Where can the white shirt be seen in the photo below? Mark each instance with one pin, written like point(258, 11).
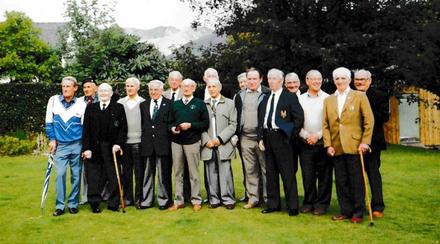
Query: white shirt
point(133, 102)
point(275, 103)
point(175, 94)
point(152, 104)
point(313, 108)
point(101, 104)
point(341, 99)
point(207, 96)
point(187, 99)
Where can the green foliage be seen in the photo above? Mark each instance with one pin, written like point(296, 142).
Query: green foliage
point(11, 146)
point(24, 56)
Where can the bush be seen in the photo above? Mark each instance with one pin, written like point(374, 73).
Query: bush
point(13, 146)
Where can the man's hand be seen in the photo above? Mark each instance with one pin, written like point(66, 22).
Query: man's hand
point(216, 142)
point(87, 154)
point(312, 139)
point(116, 148)
point(209, 144)
point(261, 146)
point(234, 140)
point(175, 132)
point(363, 148)
point(331, 151)
point(185, 126)
point(52, 146)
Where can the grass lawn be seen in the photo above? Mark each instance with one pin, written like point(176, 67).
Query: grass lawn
point(411, 189)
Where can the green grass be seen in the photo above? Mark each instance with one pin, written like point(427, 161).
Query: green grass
point(411, 190)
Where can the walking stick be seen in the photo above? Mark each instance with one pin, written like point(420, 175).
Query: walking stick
point(121, 192)
point(367, 195)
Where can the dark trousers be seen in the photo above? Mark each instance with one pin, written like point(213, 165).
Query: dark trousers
point(132, 160)
point(102, 165)
point(317, 176)
point(164, 171)
point(279, 160)
point(186, 184)
point(372, 165)
point(296, 151)
point(349, 185)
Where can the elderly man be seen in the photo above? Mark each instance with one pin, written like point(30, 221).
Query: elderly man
point(156, 147)
point(89, 90)
point(246, 103)
point(64, 130)
point(174, 93)
point(280, 117)
point(347, 128)
point(241, 78)
point(132, 158)
point(189, 118)
point(218, 150)
point(202, 91)
point(105, 131)
point(292, 83)
point(315, 168)
point(379, 103)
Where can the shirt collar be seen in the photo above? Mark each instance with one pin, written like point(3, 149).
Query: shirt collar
point(345, 92)
point(317, 95)
point(258, 89)
point(277, 92)
point(136, 98)
point(62, 99)
point(189, 99)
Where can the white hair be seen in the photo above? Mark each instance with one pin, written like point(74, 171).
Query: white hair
point(292, 76)
point(314, 72)
point(240, 76)
point(105, 86)
point(69, 79)
point(363, 72)
point(341, 72)
point(189, 82)
point(211, 71)
point(155, 83)
point(133, 80)
point(175, 73)
point(214, 82)
point(276, 73)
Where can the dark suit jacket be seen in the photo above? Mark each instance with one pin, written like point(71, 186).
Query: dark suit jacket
point(155, 134)
point(111, 124)
point(379, 103)
point(289, 115)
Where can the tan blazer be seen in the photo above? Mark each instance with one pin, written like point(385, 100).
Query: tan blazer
point(353, 128)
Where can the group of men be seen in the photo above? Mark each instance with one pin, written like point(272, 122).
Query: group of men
point(171, 131)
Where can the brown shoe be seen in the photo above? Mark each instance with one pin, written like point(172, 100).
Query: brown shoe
point(378, 214)
point(197, 207)
point(175, 207)
point(356, 220)
point(249, 205)
point(319, 211)
point(339, 217)
point(306, 210)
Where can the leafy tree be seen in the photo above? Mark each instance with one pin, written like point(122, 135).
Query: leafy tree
point(24, 56)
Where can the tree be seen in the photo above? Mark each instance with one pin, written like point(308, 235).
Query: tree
point(24, 56)
point(397, 40)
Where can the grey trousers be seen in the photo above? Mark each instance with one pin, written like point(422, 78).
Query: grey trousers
point(191, 153)
point(164, 185)
point(255, 169)
point(220, 180)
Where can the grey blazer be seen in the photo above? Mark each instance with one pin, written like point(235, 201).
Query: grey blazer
point(226, 124)
point(167, 94)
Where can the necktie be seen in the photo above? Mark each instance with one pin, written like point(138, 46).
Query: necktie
point(213, 104)
point(173, 96)
point(155, 109)
point(89, 100)
point(186, 101)
point(269, 117)
point(103, 106)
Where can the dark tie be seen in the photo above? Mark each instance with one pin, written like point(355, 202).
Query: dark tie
point(155, 109)
point(186, 101)
point(89, 100)
point(269, 117)
point(173, 96)
point(103, 106)
point(213, 103)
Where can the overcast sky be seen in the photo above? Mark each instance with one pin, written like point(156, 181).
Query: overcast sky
point(144, 14)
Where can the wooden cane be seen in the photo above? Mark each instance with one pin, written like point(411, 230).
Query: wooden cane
point(367, 195)
point(121, 191)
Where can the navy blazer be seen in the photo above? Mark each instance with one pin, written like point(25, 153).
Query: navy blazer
point(289, 115)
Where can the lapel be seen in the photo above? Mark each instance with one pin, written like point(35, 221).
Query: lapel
point(161, 108)
point(348, 101)
point(148, 109)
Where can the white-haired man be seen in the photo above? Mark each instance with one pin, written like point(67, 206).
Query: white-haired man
point(280, 117)
point(189, 118)
point(202, 91)
point(174, 92)
point(241, 79)
point(218, 150)
point(315, 168)
point(64, 130)
point(347, 128)
point(132, 158)
point(380, 105)
point(156, 147)
point(292, 83)
point(105, 131)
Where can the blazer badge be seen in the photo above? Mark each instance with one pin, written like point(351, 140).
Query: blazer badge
point(283, 114)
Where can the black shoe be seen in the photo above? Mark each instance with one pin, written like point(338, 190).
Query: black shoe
point(96, 210)
point(244, 199)
point(58, 212)
point(205, 200)
point(293, 212)
point(213, 205)
point(73, 210)
point(144, 207)
point(269, 210)
point(229, 206)
point(165, 207)
point(114, 209)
